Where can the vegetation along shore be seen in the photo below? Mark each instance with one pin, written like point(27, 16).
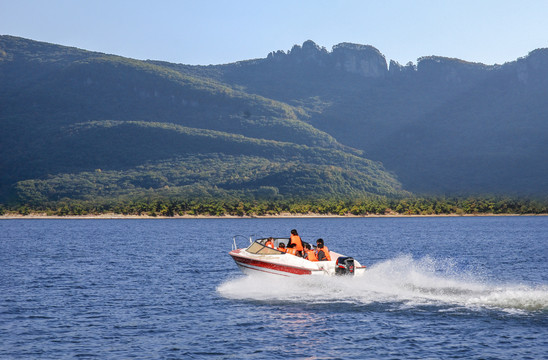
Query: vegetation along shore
point(272, 208)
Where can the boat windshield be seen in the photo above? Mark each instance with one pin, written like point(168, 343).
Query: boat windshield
point(258, 248)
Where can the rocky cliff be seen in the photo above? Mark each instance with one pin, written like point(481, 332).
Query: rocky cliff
point(363, 60)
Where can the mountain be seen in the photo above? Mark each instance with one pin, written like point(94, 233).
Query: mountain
point(307, 122)
point(444, 126)
point(78, 124)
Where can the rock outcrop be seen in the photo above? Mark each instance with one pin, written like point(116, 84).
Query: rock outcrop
point(450, 70)
point(363, 60)
point(531, 67)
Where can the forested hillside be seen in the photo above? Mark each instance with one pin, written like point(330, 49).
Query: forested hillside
point(306, 124)
point(443, 125)
point(89, 125)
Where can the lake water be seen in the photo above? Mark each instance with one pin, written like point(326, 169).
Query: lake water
point(437, 288)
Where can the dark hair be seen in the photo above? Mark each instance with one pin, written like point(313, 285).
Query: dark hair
point(294, 232)
point(281, 245)
point(307, 246)
point(320, 243)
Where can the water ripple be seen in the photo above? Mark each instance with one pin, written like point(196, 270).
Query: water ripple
point(166, 289)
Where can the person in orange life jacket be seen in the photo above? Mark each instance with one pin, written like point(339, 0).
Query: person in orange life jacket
point(309, 254)
point(281, 247)
point(296, 242)
point(269, 242)
point(322, 252)
point(292, 251)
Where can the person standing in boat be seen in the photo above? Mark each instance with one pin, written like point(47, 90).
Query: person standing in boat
point(296, 242)
point(309, 254)
point(322, 252)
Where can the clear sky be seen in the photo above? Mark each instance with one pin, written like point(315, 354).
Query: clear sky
point(216, 31)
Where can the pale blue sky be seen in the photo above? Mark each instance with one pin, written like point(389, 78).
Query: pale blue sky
point(215, 31)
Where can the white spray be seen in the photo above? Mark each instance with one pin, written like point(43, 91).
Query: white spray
point(403, 281)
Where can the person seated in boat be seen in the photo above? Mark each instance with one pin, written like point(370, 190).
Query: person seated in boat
point(269, 242)
point(322, 252)
point(281, 247)
point(296, 242)
point(291, 250)
point(309, 254)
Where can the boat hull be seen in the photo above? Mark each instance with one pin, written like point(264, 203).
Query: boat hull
point(283, 265)
point(254, 265)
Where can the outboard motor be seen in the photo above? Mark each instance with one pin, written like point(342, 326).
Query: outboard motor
point(344, 266)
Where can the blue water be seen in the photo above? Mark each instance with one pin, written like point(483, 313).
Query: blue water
point(437, 288)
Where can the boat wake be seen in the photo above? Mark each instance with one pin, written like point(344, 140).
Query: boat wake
point(400, 282)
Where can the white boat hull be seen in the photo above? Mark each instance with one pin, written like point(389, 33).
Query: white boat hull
point(286, 264)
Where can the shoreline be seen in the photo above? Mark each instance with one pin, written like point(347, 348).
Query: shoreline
point(113, 216)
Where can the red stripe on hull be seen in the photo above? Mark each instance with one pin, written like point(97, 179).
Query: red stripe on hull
point(243, 266)
point(284, 268)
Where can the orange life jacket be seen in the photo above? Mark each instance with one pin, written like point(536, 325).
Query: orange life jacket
point(325, 251)
point(282, 249)
point(296, 239)
point(292, 251)
point(311, 255)
point(269, 244)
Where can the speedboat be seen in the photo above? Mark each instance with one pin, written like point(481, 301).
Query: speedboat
point(259, 258)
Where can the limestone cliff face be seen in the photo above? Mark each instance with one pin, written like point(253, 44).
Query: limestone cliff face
point(362, 60)
point(366, 62)
point(309, 52)
point(530, 68)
